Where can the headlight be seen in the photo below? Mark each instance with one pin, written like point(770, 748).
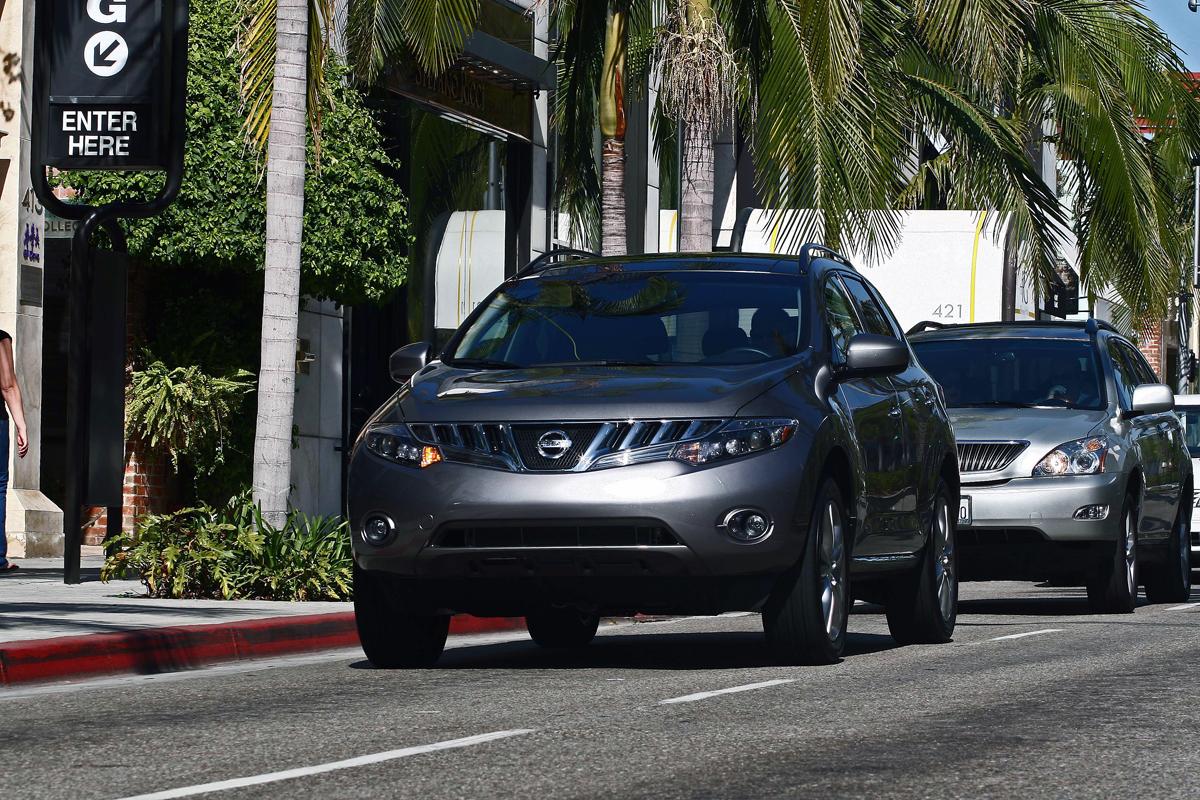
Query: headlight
point(395, 442)
point(1080, 457)
point(738, 438)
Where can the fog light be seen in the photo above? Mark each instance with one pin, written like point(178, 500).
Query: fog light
point(1092, 512)
point(377, 530)
point(747, 525)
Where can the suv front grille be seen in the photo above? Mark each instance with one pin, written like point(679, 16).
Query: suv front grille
point(515, 447)
point(988, 456)
point(566, 534)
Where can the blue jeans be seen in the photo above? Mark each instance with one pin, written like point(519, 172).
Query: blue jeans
point(3, 489)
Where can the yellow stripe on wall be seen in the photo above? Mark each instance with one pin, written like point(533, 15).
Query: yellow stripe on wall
point(975, 259)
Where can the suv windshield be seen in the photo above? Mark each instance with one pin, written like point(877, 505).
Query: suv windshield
point(1190, 417)
point(636, 318)
point(1017, 373)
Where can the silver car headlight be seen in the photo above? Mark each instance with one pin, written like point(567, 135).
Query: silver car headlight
point(740, 437)
point(1080, 457)
point(395, 442)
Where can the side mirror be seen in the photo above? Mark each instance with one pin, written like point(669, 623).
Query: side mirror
point(1151, 398)
point(870, 355)
point(408, 361)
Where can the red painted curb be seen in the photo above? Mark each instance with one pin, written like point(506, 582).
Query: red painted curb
point(153, 650)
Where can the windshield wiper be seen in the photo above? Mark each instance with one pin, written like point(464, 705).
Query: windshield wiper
point(481, 363)
point(612, 362)
point(995, 404)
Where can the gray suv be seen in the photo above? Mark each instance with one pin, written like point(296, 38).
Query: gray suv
point(683, 434)
point(1074, 468)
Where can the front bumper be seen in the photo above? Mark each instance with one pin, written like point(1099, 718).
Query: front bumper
point(1025, 529)
point(1048, 506)
point(689, 502)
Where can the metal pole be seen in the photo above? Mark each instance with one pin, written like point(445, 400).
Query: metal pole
point(1196, 223)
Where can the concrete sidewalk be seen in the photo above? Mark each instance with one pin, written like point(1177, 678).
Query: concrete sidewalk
point(51, 631)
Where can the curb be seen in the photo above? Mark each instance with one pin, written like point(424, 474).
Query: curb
point(154, 650)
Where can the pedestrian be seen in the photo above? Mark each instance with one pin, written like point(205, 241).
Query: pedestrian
point(12, 399)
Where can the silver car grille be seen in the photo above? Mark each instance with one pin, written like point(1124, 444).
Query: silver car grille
point(988, 456)
point(580, 446)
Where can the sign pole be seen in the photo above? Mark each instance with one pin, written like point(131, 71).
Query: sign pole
point(110, 87)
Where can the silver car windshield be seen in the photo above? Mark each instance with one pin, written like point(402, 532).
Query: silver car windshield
point(637, 319)
point(1190, 417)
point(1015, 373)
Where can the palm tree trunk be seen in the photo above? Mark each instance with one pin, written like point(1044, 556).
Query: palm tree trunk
point(613, 227)
point(696, 199)
point(281, 292)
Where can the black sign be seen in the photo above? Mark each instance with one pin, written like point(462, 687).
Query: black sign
point(106, 82)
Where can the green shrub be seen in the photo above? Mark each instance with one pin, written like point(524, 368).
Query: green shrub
point(232, 553)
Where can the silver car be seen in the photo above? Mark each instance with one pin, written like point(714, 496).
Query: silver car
point(1073, 465)
point(1187, 406)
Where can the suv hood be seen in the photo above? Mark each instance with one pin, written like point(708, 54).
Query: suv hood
point(1038, 426)
point(441, 393)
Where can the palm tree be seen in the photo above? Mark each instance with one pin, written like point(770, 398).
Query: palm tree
point(284, 49)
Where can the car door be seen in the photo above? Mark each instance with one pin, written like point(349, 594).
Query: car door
point(915, 393)
point(1145, 437)
point(873, 414)
point(1168, 448)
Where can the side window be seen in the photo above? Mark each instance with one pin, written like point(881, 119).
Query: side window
point(840, 319)
point(1141, 368)
point(870, 308)
point(1123, 372)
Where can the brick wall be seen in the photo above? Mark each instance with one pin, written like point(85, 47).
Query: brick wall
point(1150, 342)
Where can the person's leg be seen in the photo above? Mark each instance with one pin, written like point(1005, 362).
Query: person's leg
point(3, 491)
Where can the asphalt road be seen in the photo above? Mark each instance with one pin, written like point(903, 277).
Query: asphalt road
point(1035, 698)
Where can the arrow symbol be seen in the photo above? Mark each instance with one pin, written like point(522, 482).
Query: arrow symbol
point(105, 59)
point(106, 54)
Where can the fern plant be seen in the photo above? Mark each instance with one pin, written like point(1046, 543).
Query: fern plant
point(231, 552)
point(185, 410)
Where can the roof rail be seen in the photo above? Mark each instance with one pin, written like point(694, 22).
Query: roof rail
point(811, 250)
point(1094, 326)
point(925, 325)
point(550, 257)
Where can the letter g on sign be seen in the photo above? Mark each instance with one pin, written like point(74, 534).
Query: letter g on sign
point(106, 12)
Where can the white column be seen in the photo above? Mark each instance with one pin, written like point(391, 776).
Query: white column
point(34, 523)
point(539, 191)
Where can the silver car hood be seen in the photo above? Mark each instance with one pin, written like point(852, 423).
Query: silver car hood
point(1043, 428)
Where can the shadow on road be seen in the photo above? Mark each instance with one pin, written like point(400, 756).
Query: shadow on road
point(666, 651)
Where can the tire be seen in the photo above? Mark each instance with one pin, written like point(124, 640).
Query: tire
point(922, 606)
point(390, 638)
point(562, 628)
point(1113, 589)
point(805, 618)
point(1171, 582)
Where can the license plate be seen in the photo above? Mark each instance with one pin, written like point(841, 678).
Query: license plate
point(964, 511)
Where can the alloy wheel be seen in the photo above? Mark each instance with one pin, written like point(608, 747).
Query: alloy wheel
point(833, 569)
point(1131, 553)
point(944, 565)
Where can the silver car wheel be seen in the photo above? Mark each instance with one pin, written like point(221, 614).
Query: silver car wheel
point(1131, 553)
point(943, 566)
point(833, 567)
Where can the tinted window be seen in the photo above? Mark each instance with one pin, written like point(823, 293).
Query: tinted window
point(676, 317)
point(1190, 417)
point(1014, 372)
point(1140, 367)
point(1123, 372)
point(839, 318)
point(870, 308)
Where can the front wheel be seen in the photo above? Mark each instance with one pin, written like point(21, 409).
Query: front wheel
point(391, 638)
point(1171, 582)
point(1113, 589)
point(805, 619)
point(922, 607)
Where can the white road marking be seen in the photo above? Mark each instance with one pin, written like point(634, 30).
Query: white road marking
point(691, 698)
point(1027, 633)
point(1184, 607)
point(349, 763)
